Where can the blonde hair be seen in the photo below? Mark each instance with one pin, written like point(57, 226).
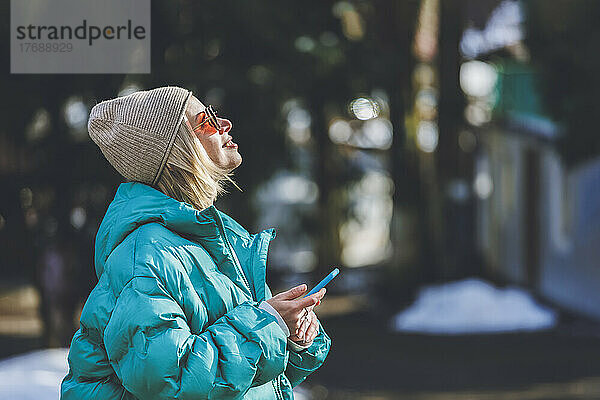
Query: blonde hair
point(190, 175)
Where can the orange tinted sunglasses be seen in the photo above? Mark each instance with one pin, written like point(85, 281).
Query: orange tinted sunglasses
point(206, 122)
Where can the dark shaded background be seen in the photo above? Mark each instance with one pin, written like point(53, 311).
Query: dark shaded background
point(284, 72)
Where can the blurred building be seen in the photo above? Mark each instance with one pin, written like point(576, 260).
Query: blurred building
point(538, 219)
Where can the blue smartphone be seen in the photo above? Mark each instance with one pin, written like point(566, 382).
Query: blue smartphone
point(324, 282)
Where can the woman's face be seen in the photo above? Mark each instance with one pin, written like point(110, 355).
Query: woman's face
point(220, 147)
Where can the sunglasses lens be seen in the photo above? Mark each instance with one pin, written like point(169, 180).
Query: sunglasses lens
point(202, 125)
point(209, 130)
point(206, 122)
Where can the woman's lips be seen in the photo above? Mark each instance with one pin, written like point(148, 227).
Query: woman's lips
point(229, 144)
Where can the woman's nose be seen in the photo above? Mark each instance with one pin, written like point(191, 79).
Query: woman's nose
point(226, 124)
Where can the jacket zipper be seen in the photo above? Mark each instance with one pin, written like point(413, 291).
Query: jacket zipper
point(276, 383)
point(239, 266)
point(236, 261)
point(277, 388)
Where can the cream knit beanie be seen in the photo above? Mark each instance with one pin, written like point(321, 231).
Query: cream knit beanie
point(136, 132)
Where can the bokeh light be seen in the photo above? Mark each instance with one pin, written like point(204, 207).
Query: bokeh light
point(483, 185)
point(427, 136)
point(39, 127)
point(76, 113)
point(378, 132)
point(364, 108)
point(340, 131)
point(304, 44)
point(477, 78)
point(78, 217)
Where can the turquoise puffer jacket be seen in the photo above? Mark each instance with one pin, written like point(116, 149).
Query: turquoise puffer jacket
point(174, 314)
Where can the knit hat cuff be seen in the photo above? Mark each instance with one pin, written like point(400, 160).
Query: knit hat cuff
point(171, 140)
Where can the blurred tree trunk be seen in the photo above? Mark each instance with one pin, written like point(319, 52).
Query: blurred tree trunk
point(328, 238)
point(403, 230)
point(451, 111)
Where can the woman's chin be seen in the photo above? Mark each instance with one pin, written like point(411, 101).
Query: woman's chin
point(236, 161)
point(239, 161)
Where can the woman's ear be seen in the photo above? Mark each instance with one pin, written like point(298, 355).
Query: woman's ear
point(193, 108)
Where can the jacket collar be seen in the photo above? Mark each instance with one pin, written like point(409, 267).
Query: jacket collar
point(136, 204)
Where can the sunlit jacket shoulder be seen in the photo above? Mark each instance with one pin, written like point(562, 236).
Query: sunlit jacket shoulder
point(175, 313)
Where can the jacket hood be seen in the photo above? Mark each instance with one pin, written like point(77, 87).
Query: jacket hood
point(136, 204)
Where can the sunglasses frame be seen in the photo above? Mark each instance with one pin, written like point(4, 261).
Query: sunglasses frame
point(210, 117)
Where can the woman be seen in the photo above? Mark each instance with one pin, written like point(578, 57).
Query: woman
point(181, 309)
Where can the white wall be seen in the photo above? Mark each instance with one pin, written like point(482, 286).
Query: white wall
point(570, 246)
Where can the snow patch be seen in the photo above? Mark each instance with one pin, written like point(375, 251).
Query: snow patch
point(33, 376)
point(37, 376)
point(473, 306)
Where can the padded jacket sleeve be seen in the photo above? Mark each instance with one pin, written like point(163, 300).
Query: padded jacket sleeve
point(303, 363)
point(155, 355)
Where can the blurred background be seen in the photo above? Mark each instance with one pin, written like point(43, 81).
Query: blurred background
point(443, 153)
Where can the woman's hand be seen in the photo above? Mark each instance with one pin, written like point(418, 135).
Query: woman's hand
point(308, 330)
point(293, 309)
